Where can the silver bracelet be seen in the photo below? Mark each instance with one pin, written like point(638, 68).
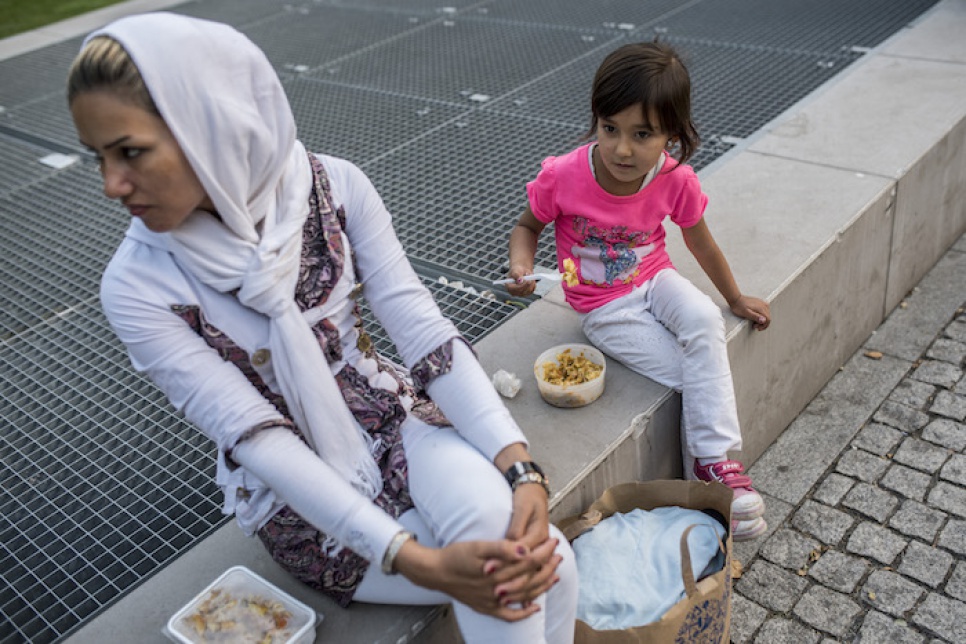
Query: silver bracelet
point(531, 477)
point(389, 559)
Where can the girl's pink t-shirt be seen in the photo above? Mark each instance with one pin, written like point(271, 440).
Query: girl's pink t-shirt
point(616, 243)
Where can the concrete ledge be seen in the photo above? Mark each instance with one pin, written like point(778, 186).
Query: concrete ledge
point(899, 117)
point(833, 213)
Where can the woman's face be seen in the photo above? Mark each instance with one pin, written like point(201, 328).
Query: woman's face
point(140, 160)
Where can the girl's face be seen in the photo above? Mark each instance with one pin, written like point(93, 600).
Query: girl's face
point(628, 146)
point(141, 162)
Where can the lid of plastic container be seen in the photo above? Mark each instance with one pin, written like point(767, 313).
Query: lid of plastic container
point(240, 605)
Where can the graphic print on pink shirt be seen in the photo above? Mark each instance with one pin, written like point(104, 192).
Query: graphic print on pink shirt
point(608, 256)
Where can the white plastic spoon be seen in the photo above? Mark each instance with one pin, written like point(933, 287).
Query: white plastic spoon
point(535, 277)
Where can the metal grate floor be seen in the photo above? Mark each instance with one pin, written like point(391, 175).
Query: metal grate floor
point(90, 505)
point(449, 109)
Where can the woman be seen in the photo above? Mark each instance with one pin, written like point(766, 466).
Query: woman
point(234, 290)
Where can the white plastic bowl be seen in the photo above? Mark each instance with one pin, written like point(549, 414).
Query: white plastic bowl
point(239, 582)
point(570, 395)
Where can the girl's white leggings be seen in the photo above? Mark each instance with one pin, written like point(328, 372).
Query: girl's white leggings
point(670, 331)
point(460, 496)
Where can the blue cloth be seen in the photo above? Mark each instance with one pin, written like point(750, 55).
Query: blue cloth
point(629, 564)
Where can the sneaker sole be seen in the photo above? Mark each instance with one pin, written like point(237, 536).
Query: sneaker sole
point(750, 513)
point(747, 533)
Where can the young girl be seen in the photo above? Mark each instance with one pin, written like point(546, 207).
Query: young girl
point(608, 200)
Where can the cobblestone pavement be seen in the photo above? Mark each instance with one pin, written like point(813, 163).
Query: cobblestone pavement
point(866, 491)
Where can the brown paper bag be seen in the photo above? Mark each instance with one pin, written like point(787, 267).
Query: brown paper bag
point(704, 616)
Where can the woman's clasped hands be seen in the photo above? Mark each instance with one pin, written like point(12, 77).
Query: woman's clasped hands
point(499, 578)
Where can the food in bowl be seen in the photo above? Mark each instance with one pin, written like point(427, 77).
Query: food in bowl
point(570, 375)
point(570, 369)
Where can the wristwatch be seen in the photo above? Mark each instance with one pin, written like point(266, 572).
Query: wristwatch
point(526, 472)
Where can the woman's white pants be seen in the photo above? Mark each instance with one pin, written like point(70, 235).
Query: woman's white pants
point(460, 496)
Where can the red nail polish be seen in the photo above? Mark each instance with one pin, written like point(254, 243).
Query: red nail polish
point(522, 551)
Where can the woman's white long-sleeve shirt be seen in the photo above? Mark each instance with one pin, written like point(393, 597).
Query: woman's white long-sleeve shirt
point(144, 286)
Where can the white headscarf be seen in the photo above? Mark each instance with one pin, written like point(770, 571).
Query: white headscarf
point(223, 102)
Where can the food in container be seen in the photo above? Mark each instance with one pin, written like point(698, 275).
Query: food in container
point(241, 607)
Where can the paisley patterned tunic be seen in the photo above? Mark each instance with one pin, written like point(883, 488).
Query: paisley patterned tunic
point(306, 552)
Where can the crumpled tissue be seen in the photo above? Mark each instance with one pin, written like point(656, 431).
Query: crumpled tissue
point(507, 384)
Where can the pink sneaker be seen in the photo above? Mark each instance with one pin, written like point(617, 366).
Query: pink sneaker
point(747, 504)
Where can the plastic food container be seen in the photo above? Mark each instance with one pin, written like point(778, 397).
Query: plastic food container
point(241, 607)
point(574, 395)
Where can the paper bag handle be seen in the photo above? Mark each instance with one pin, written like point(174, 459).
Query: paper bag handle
point(687, 574)
point(587, 520)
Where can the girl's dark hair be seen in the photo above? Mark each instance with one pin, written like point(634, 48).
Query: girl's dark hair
point(104, 65)
point(653, 75)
